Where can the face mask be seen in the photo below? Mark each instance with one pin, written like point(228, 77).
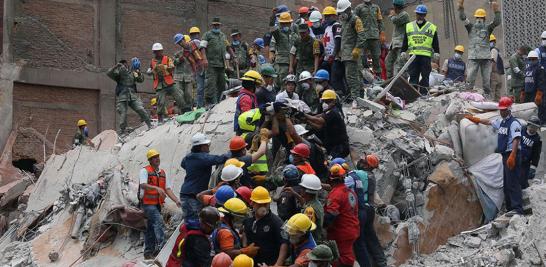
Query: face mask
point(291, 158)
point(457, 56)
point(86, 131)
point(215, 30)
point(543, 42)
point(319, 87)
point(316, 24)
point(305, 86)
point(269, 88)
point(491, 44)
point(343, 16)
point(236, 42)
point(325, 106)
point(285, 29)
point(262, 211)
point(420, 21)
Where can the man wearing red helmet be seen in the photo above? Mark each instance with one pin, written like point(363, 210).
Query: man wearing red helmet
point(299, 156)
point(238, 148)
point(509, 135)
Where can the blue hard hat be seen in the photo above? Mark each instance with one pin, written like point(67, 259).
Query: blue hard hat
point(339, 161)
point(282, 8)
point(290, 173)
point(261, 59)
point(421, 9)
point(224, 193)
point(178, 37)
point(259, 42)
point(135, 63)
point(322, 75)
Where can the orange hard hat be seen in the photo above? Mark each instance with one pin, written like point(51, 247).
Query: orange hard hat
point(505, 102)
point(301, 150)
point(337, 171)
point(244, 193)
point(303, 10)
point(221, 260)
point(237, 143)
point(372, 160)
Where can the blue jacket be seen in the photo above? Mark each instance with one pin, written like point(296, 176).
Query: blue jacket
point(198, 168)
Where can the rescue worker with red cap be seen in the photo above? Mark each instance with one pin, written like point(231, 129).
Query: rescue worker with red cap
point(508, 140)
point(299, 156)
point(238, 150)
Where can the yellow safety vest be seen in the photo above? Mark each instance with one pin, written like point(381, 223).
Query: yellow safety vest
point(260, 166)
point(420, 39)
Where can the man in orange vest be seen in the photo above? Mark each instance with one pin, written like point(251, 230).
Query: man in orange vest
point(162, 68)
point(154, 187)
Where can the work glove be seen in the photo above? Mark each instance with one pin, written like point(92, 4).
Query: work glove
point(356, 53)
point(511, 161)
point(251, 250)
point(522, 96)
point(472, 118)
point(382, 38)
point(460, 3)
point(264, 134)
point(300, 115)
point(538, 98)
point(404, 56)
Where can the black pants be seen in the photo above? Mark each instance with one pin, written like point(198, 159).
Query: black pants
point(367, 243)
point(420, 67)
point(337, 77)
point(524, 174)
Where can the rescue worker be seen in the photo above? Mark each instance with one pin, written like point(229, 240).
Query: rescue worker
point(240, 50)
point(268, 90)
point(289, 92)
point(217, 196)
point(264, 229)
point(541, 50)
point(318, 156)
point(246, 100)
point(374, 33)
point(534, 77)
point(322, 83)
point(421, 40)
point(508, 141)
point(311, 204)
point(331, 41)
point(304, 53)
point(184, 63)
point(237, 147)
point(153, 108)
point(531, 146)
point(454, 68)
point(283, 35)
point(256, 59)
point(316, 27)
point(299, 156)
point(517, 73)
point(195, 37)
point(198, 167)
point(303, 18)
point(321, 256)
point(82, 134)
point(214, 47)
point(192, 246)
point(479, 55)
point(232, 173)
point(399, 18)
point(353, 40)
point(126, 79)
point(243, 261)
point(307, 91)
point(497, 69)
point(298, 230)
point(287, 200)
point(341, 216)
point(153, 189)
point(249, 122)
point(222, 260)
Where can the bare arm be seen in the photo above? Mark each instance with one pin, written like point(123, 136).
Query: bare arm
point(316, 122)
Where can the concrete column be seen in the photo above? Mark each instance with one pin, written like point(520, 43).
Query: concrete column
point(7, 72)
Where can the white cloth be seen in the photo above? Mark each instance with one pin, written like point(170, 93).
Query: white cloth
point(489, 177)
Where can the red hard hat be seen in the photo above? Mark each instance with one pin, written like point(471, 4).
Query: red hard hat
point(221, 260)
point(303, 10)
point(505, 102)
point(301, 150)
point(372, 160)
point(244, 192)
point(237, 143)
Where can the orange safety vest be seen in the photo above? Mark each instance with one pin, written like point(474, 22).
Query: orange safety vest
point(151, 196)
point(168, 77)
point(306, 168)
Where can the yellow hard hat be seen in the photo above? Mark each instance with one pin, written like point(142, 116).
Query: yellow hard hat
point(187, 38)
point(234, 206)
point(194, 30)
point(299, 223)
point(329, 10)
point(151, 153)
point(242, 260)
point(328, 94)
point(235, 162)
point(492, 38)
point(459, 48)
point(260, 195)
point(285, 17)
point(480, 13)
point(252, 76)
point(82, 122)
point(153, 101)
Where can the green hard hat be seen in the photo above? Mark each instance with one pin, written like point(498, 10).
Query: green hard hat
point(399, 2)
point(321, 253)
point(268, 70)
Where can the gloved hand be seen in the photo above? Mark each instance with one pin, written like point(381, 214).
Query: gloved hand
point(404, 56)
point(278, 106)
point(300, 115)
point(472, 118)
point(356, 53)
point(264, 134)
point(460, 3)
point(511, 161)
point(436, 56)
point(251, 250)
point(382, 38)
point(270, 109)
point(522, 96)
point(538, 98)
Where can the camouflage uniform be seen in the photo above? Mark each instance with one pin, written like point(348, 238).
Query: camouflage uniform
point(183, 79)
point(216, 45)
point(305, 52)
point(372, 20)
point(392, 63)
point(352, 36)
point(242, 54)
point(281, 46)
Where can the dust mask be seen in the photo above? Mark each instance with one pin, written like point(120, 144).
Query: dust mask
point(457, 56)
point(491, 44)
point(269, 87)
point(305, 86)
point(316, 25)
point(325, 106)
point(543, 42)
point(319, 87)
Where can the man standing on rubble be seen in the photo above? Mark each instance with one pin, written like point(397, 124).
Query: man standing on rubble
point(184, 63)
point(305, 52)
point(531, 146)
point(497, 69)
point(479, 55)
point(282, 33)
point(517, 73)
point(454, 68)
point(508, 141)
point(153, 189)
point(535, 82)
point(399, 18)
point(374, 33)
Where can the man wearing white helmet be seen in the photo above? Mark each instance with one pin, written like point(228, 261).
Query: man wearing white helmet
point(311, 204)
point(317, 28)
point(306, 90)
point(534, 78)
point(541, 50)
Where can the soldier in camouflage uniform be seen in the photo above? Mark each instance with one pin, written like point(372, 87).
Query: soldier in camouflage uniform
point(284, 37)
point(240, 49)
point(399, 18)
point(126, 96)
point(183, 64)
point(372, 20)
point(305, 52)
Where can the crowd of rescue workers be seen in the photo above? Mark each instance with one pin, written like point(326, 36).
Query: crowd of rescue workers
point(288, 115)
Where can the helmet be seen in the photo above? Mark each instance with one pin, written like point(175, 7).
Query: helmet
point(290, 173)
point(260, 195)
point(178, 38)
point(543, 35)
point(237, 143)
point(398, 2)
point(290, 78)
point(311, 182)
point(300, 129)
point(234, 206)
point(199, 139)
point(337, 171)
point(224, 193)
point(285, 17)
point(305, 75)
point(282, 9)
point(135, 63)
point(242, 260)
point(151, 153)
point(322, 75)
point(222, 260)
point(247, 120)
point(81, 122)
point(372, 160)
point(320, 253)
point(492, 38)
point(459, 48)
point(303, 10)
point(329, 10)
point(235, 162)
point(532, 54)
point(230, 173)
point(252, 76)
point(268, 70)
point(244, 193)
point(421, 9)
point(157, 47)
point(315, 16)
point(194, 30)
point(259, 42)
point(153, 101)
point(505, 102)
point(301, 150)
point(534, 121)
point(328, 94)
point(209, 215)
point(299, 223)
point(480, 13)
point(187, 38)
point(342, 5)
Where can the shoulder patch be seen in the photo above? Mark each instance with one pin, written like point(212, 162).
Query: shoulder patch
point(359, 27)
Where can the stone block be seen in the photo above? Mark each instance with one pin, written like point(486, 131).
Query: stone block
point(12, 191)
point(365, 103)
point(472, 241)
point(362, 136)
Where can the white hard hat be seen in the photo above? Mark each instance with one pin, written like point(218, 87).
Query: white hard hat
point(230, 173)
point(311, 182)
point(227, 56)
point(305, 75)
point(543, 35)
point(300, 130)
point(342, 5)
point(315, 16)
point(532, 54)
point(157, 46)
point(199, 139)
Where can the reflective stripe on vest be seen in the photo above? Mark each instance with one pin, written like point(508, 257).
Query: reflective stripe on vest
point(420, 40)
point(238, 109)
point(151, 196)
point(260, 166)
point(168, 78)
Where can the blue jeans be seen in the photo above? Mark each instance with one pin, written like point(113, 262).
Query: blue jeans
point(512, 186)
point(190, 207)
point(154, 237)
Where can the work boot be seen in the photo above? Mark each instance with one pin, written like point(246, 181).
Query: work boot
point(148, 255)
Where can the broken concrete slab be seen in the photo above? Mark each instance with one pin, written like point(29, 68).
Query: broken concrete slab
point(12, 191)
point(403, 89)
point(365, 103)
point(105, 140)
point(362, 136)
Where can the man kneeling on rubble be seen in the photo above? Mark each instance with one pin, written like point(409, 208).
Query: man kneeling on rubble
point(154, 187)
